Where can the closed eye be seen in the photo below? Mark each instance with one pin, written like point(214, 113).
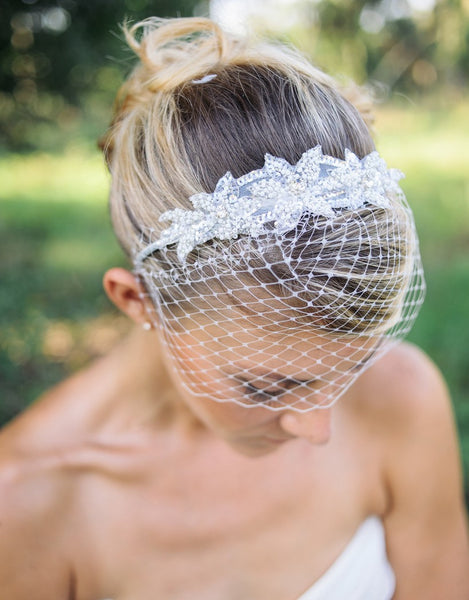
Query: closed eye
point(272, 385)
point(262, 393)
point(269, 393)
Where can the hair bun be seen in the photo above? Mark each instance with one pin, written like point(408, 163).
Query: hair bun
point(176, 51)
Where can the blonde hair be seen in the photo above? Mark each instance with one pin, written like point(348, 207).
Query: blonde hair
point(172, 137)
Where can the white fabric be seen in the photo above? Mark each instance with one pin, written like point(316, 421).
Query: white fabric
point(361, 572)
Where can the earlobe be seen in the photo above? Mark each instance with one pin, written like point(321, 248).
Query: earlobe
point(125, 291)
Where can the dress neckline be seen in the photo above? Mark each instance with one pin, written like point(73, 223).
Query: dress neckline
point(361, 571)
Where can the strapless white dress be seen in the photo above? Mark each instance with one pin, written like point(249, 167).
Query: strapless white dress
point(361, 572)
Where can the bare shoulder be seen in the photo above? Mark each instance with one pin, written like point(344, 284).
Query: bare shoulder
point(37, 492)
point(53, 463)
point(401, 396)
point(405, 400)
point(408, 398)
point(32, 502)
point(410, 408)
point(402, 383)
point(62, 415)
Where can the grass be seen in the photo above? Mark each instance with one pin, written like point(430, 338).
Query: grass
point(56, 241)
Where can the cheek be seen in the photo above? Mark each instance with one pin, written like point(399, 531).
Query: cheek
point(198, 372)
point(207, 391)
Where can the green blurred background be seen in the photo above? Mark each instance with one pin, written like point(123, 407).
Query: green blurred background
point(60, 65)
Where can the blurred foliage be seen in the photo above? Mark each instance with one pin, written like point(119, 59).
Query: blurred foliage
point(405, 46)
point(61, 63)
point(56, 242)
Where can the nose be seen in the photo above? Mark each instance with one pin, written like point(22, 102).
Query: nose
point(313, 425)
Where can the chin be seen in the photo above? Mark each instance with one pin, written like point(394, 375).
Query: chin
point(252, 451)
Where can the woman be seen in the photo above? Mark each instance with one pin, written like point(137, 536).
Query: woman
point(205, 457)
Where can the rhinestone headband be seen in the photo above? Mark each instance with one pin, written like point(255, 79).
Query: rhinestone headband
point(278, 194)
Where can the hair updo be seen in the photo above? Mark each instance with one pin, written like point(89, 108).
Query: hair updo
point(172, 137)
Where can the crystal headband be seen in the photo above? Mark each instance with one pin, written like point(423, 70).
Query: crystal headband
point(280, 194)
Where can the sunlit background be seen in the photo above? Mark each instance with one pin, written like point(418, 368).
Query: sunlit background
point(60, 65)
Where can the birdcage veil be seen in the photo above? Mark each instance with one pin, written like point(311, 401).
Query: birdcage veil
point(277, 253)
point(280, 287)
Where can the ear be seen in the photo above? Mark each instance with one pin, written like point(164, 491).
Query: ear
point(126, 292)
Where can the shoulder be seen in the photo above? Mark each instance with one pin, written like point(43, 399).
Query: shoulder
point(36, 497)
point(404, 389)
point(416, 421)
point(404, 400)
point(61, 416)
point(426, 526)
point(32, 502)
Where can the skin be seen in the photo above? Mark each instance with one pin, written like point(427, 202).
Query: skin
point(105, 496)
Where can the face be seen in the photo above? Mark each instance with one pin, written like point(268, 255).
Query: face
point(257, 389)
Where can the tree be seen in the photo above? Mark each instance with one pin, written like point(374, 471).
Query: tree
point(63, 60)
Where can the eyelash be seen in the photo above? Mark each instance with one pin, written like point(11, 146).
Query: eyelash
point(264, 396)
point(267, 397)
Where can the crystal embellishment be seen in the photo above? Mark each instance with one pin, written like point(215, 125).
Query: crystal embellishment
point(279, 194)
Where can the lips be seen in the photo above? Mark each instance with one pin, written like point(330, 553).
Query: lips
point(278, 440)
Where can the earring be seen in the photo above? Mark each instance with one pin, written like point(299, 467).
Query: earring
point(146, 326)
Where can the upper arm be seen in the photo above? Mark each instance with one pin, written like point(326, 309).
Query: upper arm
point(426, 527)
point(30, 551)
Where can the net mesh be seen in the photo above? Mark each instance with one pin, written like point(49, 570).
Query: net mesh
point(286, 319)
